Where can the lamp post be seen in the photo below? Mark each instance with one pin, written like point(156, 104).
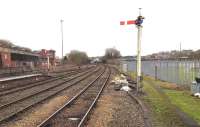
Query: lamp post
point(61, 23)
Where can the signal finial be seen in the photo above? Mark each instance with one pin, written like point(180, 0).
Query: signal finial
point(140, 11)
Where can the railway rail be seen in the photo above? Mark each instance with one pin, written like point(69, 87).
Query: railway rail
point(11, 109)
point(14, 100)
point(61, 71)
point(79, 105)
point(56, 73)
point(37, 83)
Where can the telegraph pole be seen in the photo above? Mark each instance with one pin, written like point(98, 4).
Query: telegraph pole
point(61, 23)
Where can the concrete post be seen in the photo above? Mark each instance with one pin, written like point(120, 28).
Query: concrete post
point(61, 22)
point(48, 63)
point(156, 72)
point(139, 57)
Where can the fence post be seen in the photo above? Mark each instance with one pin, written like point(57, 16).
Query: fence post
point(156, 68)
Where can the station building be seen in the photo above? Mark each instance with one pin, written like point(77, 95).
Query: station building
point(12, 56)
point(46, 58)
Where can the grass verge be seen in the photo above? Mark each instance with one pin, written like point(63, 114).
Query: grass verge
point(181, 98)
point(162, 113)
point(188, 104)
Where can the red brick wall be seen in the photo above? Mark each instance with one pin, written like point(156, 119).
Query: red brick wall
point(48, 53)
point(13, 64)
point(6, 59)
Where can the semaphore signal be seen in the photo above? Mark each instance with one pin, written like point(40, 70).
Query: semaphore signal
point(138, 22)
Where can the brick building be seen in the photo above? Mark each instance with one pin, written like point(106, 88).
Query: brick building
point(16, 56)
point(46, 56)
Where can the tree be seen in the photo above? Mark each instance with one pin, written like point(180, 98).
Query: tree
point(6, 43)
point(78, 57)
point(111, 53)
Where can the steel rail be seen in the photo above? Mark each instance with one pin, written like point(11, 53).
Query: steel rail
point(81, 123)
point(61, 71)
point(45, 122)
point(36, 84)
point(64, 73)
point(6, 118)
point(42, 91)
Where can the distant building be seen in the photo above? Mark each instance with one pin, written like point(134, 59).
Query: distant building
point(57, 61)
point(16, 56)
point(187, 52)
point(174, 54)
point(96, 60)
point(46, 56)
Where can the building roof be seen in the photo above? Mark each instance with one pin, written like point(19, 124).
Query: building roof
point(5, 44)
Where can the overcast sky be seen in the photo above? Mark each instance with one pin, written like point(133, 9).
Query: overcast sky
point(93, 25)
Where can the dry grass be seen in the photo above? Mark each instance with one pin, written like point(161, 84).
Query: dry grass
point(165, 85)
point(115, 109)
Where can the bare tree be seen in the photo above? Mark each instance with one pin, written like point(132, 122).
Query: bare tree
point(112, 53)
point(78, 57)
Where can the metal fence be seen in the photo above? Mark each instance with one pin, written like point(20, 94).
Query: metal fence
point(181, 72)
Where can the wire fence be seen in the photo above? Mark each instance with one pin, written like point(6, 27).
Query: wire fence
point(181, 72)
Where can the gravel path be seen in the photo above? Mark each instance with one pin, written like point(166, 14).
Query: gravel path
point(116, 109)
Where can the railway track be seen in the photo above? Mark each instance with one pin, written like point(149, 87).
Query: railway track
point(9, 85)
point(42, 90)
point(61, 71)
point(11, 109)
point(34, 84)
point(76, 111)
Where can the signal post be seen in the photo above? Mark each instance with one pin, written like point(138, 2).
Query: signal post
point(138, 22)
